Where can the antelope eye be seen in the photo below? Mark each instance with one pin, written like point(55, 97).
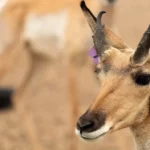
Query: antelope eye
point(142, 79)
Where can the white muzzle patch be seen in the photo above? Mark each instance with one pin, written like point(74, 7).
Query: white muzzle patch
point(95, 134)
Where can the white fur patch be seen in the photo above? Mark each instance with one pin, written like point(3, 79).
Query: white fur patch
point(77, 132)
point(46, 33)
point(2, 4)
point(94, 134)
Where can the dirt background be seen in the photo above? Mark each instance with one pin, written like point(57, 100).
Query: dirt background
point(51, 111)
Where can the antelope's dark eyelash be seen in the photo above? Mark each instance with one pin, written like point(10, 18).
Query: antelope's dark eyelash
point(97, 70)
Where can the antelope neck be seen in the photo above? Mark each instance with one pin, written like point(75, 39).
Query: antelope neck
point(141, 133)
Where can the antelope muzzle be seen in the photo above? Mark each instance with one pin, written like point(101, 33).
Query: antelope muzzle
point(90, 125)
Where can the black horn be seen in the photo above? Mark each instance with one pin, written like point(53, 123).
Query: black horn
point(142, 52)
point(99, 37)
point(91, 19)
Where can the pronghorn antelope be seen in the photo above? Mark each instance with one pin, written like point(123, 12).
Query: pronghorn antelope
point(124, 77)
point(33, 34)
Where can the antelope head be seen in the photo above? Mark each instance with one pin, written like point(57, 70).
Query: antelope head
point(124, 77)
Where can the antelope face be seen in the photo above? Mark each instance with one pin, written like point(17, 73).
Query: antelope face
point(124, 76)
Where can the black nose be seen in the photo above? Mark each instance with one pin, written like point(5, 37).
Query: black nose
point(84, 125)
point(90, 122)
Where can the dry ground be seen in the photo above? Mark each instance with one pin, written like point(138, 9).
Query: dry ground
point(51, 111)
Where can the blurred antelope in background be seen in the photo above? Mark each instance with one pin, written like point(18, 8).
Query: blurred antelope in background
point(36, 34)
point(124, 77)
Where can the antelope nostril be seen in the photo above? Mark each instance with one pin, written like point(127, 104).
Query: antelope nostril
point(90, 122)
point(85, 125)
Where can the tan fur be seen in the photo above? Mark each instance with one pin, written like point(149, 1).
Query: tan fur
point(45, 7)
point(114, 40)
point(125, 103)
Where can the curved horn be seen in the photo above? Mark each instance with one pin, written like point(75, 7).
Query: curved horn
point(91, 19)
point(142, 52)
point(99, 38)
point(111, 37)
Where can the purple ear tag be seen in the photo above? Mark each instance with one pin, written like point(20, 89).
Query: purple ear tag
point(93, 54)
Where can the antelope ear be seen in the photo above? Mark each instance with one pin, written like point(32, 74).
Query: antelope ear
point(104, 38)
point(111, 38)
point(114, 40)
point(142, 52)
point(91, 19)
